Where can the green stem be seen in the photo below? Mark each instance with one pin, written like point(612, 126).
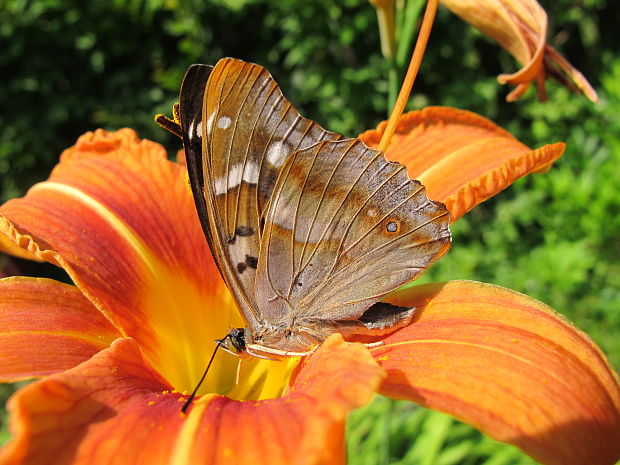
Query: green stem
point(404, 41)
point(394, 81)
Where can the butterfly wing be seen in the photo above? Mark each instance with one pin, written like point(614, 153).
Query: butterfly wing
point(345, 227)
point(247, 131)
point(190, 109)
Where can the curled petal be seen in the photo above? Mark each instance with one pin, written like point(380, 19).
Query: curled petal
point(117, 215)
point(9, 247)
point(47, 327)
point(510, 366)
point(520, 27)
point(461, 157)
point(116, 409)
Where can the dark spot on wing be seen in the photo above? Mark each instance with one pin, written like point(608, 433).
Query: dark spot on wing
point(383, 311)
point(250, 261)
point(392, 226)
point(244, 231)
point(241, 267)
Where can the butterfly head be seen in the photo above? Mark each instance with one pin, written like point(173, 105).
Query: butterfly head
point(234, 342)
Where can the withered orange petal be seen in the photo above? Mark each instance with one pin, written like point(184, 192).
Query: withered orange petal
point(461, 157)
point(118, 217)
point(508, 365)
point(47, 327)
point(115, 409)
point(305, 426)
point(520, 27)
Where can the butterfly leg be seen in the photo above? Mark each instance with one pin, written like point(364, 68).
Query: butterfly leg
point(257, 351)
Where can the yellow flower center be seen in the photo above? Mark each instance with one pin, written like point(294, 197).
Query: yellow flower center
point(186, 318)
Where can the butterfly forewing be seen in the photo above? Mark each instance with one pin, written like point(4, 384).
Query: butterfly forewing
point(190, 108)
point(248, 132)
point(344, 227)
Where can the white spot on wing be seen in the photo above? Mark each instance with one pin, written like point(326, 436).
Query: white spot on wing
point(250, 174)
point(199, 128)
point(237, 173)
point(224, 122)
point(276, 154)
point(210, 122)
point(191, 130)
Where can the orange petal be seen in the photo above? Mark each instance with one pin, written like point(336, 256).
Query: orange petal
point(508, 365)
point(47, 327)
point(111, 409)
point(461, 157)
point(118, 217)
point(520, 27)
point(304, 426)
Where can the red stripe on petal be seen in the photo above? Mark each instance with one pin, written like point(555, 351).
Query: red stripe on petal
point(47, 327)
point(510, 366)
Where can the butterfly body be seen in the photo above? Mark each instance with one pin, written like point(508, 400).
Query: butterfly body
point(308, 229)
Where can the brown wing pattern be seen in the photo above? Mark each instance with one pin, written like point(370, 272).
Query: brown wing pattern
point(249, 131)
point(344, 227)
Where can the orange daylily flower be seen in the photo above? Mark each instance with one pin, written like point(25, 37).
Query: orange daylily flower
point(121, 346)
point(520, 27)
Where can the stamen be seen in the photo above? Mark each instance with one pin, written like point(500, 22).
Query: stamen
point(412, 72)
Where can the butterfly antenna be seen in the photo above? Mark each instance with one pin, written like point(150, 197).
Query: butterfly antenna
point(204, 375)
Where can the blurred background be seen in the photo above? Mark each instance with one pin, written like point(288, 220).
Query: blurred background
point(67, 67)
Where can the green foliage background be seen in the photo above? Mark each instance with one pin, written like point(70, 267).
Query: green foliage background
point(67, 67)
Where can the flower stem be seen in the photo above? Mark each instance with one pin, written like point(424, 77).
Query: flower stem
point(412, 71)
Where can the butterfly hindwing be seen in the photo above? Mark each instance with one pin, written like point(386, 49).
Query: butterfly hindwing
point(345, 227)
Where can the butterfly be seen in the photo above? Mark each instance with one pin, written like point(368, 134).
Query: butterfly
point(309, 229)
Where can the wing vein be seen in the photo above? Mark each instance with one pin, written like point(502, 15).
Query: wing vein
point(316, 212)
